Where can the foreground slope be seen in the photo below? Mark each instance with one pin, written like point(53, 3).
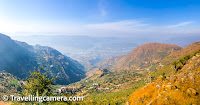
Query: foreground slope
point(182, 88)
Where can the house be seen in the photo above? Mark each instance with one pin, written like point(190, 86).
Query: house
point(95, 84)
point(60, 91)
point(118, 85)
point(90, 87)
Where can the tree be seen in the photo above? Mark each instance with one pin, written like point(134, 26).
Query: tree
point(150, 76)
point(187, 57)
point(182, 61)
point(175, 63)
point(163, 76)
point(38, 84)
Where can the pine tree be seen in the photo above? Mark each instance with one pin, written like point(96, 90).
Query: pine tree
point(38, 84)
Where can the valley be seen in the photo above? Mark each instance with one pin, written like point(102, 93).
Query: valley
point(109, 81)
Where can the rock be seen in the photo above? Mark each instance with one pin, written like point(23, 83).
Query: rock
point(127, 103)
point(192, 78)
point(173, 78)
point(168, 78)
point(182, 79)
point(145, 87)
point(169, 83)
point(176, 90)
point(140, 99)
point(168, 87)
point(165, 100)
point(192, 92)
point(198, 55)
point(150, 103)
point(158, 86)
point(159, 95)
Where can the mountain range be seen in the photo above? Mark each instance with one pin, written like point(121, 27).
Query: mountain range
point(92, 51)
point(18, 58)
point(146, 55)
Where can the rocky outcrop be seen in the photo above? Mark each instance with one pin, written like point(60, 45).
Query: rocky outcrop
point(192, 91)
point(184, 86)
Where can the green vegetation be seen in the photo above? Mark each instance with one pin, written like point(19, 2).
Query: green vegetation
point(38, 83)
point(9, 84)
point(113, 98)
point(108, 87)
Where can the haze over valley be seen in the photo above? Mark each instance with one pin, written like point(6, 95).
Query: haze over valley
point(92, 51)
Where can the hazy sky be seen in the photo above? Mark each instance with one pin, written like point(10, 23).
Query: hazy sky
point(100, 17)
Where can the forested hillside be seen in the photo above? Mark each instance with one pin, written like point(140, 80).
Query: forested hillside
point(18, 58)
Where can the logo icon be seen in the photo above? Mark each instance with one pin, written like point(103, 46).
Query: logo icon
point(5, 98)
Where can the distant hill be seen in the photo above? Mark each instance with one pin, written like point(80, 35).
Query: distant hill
point(18, 58)
point(182, 52)
point(110, 62)
point(143, 56)
point(183, 41)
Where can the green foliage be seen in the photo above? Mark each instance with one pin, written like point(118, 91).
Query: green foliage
point(196, 53)
point(187, 57)
point(175, 63)
point(119, 84)
point(182, 60)
point(38, 83)
point(163, 76)
point(111, 98)
point(9, 84)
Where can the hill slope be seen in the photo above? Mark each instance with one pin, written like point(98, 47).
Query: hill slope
point(182, 52)
point(18, 58)
point(14, 58)
point(184, 86)
point(62, 67)
point(146, 54)
point(149, 54)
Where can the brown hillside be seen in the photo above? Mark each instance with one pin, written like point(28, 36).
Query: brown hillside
point(146, 54)
point(110, 62)
point(180, 53)
point(179, 89)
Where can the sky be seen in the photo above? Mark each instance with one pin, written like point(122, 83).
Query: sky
point(118, 18)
